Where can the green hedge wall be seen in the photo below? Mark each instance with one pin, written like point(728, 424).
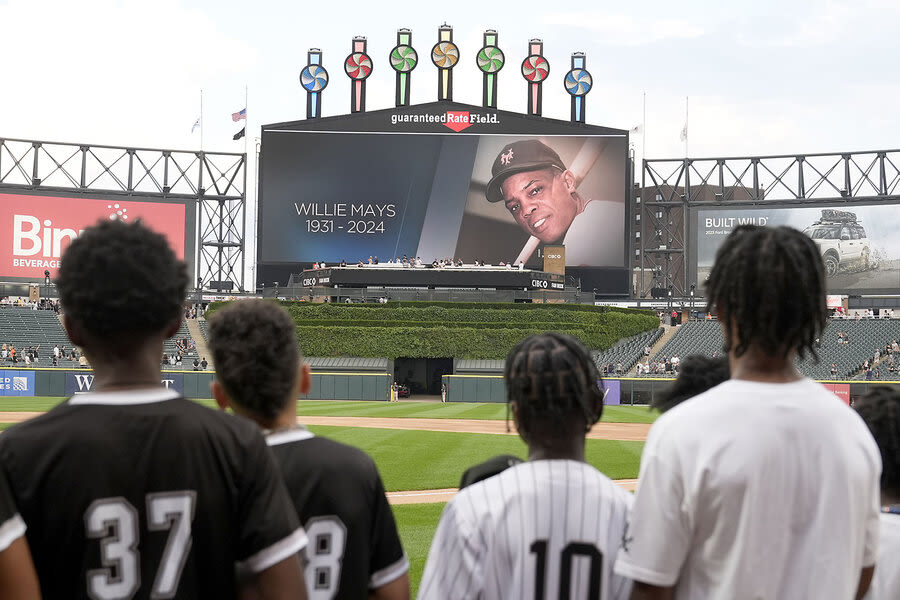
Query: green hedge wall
point(452, 329)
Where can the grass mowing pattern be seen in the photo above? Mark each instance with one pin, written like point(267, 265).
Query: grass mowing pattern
point(416, 524)
point(449, 410)
point(424, 460)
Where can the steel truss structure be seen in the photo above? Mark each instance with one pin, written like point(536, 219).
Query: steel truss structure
point(216, 181)
point(671, 187)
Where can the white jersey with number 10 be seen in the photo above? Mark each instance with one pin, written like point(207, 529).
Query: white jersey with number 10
point(537, 531)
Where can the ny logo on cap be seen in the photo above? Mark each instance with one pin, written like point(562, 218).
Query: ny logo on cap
point(506, 157)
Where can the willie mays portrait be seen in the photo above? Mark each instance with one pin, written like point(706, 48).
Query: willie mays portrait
point(527, 193)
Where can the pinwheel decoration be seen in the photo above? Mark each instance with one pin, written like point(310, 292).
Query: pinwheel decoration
point(578, 83)
point(358, 65)
point(445, 55)
point(535, 68)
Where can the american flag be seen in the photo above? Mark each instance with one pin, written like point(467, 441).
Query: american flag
point(241, 114)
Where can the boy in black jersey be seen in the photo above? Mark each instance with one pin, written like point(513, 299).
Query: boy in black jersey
point(131, 491)
point(354, 550)
point(17, 576)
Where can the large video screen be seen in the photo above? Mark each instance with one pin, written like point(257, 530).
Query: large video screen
point(37, 229)
point(494, 198)
point(859, 243)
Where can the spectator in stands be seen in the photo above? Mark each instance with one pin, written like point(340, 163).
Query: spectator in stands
point(165, 359)
point(696, 540)
point(675, 362)
point(196, 364)
point(56, 351)
point(203, 364)
point(343, 263)
point(698, 374)
point(619, 368)
point(840, 337)
point(834, 370)
point(370, 260)
point(647, 350)
point(83, 362)
point(376, 260)
point(4, 352)
point(880, 409)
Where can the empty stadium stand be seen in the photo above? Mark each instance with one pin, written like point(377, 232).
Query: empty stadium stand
point(627, 351)
point(24, 327)
point(865, 336)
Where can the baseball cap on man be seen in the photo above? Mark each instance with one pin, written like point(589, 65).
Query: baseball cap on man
point(526, 155)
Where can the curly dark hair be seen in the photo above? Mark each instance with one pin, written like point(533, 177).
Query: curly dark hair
point(121, 280)
point(880, 409)
point(696, 374)
point(769, 282)
point(254, 346)
point(555, 385)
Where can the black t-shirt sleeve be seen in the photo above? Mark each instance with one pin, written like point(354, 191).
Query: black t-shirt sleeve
point(12, 527)
point(388, 560)
point(269, 528)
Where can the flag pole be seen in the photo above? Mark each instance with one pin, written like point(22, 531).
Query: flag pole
point(644, 131)
point(201, 119)
point(687, 132)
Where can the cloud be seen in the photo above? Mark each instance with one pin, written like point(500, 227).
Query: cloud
point(626, 30)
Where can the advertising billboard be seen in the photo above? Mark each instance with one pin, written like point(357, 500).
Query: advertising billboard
point(493, 198)
point(16, 383)
point(859, 243)
point(37, 229)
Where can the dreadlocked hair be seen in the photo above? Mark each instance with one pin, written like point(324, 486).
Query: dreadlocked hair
point(768, 287)
point(880, 409)
point(697, 373)
point(555, 385)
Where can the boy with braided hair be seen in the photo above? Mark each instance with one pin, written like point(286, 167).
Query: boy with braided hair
point(765, 486)
point(551, 526)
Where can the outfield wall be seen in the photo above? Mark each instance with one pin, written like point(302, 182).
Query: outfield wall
point(191, 384)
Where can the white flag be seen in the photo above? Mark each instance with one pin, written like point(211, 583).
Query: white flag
point(684, 133)
point(196, 125)
point(637, 129)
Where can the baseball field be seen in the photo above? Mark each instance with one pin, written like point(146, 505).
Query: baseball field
point(422, 449)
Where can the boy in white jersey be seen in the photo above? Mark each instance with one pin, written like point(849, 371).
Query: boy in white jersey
point(880, 409)
point(549, 527)
point(766, 486)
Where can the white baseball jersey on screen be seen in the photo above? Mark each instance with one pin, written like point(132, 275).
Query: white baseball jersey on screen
point(886, 585)
point(756, 490)
point(541, 529)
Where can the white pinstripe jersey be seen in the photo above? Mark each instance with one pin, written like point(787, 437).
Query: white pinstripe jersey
point(541, 529)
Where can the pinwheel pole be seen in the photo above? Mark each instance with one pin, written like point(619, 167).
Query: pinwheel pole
point(445, 55)
point(535, 70)
point(578, 83)
point(358, 67)
point(490, 60)
point(314, 79)
point(403, 60)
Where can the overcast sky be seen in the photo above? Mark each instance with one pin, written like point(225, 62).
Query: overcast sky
point(764, 77)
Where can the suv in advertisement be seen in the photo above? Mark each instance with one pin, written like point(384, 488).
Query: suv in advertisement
point(842, 241)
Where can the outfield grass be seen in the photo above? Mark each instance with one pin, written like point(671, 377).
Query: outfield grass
point(416, 524)
point(450, 410)
point(332, 408)
point(424, 460)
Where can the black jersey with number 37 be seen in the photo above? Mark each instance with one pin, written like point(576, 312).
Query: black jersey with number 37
point(353, 542)
point(144, 494)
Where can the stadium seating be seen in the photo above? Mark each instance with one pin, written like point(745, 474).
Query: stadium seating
point(628, 351)
point(24, 327)
point(866, 335)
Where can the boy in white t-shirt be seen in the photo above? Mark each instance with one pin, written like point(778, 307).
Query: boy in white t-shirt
point(766, 486)
point(880, 409)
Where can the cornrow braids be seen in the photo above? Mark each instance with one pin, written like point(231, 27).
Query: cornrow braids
point(555, 385)
point(880, 409)
point(768, 287)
